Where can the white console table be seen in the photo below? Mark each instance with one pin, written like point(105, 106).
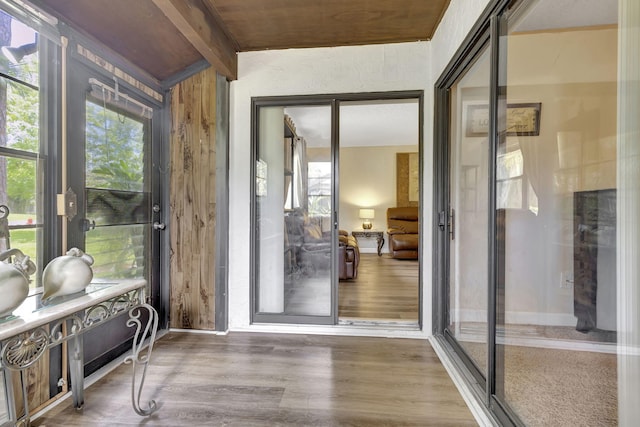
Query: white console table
point(34, 328)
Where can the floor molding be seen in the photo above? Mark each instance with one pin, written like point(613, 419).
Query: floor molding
point(341, 330)
point(478, 410)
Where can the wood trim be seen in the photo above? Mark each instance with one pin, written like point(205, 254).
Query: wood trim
point(193, 202)
point(198, 25)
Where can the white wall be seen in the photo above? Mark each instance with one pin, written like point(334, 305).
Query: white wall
point(368, 179)
point(454, 27)
point(375, 68)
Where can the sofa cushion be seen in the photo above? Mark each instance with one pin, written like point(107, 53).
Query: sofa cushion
point(408, 213)
point(404, 242)
point(348, 241)
point(403, 220)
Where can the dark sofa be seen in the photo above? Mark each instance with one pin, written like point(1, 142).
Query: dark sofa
point(348, 256)
point(308, 248)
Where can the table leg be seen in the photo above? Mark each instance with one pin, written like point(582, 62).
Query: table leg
point(10, 401)
point(380, 243)
point(76, 370)
point(135, 358)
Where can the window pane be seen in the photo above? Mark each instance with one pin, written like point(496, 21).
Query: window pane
point(320, 205)
point(19, 190)
point(509, 194)
point(509, 165)
point(469, 173)
point(115, 150)
point(19, 57)
point(23, 116)
point(118, 251)
point(115, 193)
point(293, 237)
point(557, 314)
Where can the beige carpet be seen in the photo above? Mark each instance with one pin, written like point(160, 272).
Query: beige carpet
point(548, 387)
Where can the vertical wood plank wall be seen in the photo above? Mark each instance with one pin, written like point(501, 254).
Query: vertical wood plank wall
point(193, 202)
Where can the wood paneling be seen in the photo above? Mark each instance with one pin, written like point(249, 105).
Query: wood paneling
point(256, 24)
point(244, 379)
point(192, 202)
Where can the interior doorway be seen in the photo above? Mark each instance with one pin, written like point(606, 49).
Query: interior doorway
point(379, 187)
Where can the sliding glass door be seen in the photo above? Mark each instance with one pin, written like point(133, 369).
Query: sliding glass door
point(303, 242)
point(556, 198)
point(538, 284)
point(468, 213)
point(294, 215)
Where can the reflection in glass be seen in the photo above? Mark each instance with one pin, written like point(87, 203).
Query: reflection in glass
point(556, 200)
point(294, 205)
point(117, 197)
point(468, 288)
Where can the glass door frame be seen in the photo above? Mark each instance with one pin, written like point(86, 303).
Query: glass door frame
point(484, 34)
point(256, 315)
point(334, 101)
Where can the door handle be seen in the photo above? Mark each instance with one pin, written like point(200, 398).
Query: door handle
point(88, 225)
point(159, 225)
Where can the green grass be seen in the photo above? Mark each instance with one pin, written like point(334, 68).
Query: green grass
point(118, 251)
point(25, 240)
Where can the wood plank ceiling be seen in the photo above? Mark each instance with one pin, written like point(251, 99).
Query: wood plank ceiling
point(165, 37)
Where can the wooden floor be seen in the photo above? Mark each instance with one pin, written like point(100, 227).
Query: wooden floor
point(385, 289)
point(248, 379)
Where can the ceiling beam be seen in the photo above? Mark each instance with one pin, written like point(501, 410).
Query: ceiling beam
point(197, 24)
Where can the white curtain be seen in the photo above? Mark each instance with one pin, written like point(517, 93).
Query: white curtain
point(531, 158)
point(300, 173)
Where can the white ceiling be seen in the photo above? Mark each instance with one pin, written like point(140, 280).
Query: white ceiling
point(555, 14)
point(362, 124)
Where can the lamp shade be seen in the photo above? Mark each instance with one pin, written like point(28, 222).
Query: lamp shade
point(367, 214)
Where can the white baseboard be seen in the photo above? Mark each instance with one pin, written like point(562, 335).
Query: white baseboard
point(368, 250)
point(478, 410)
point(521, 318)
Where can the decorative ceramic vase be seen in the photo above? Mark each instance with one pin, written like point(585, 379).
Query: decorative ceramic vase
point(67, 274)
point(14, 280)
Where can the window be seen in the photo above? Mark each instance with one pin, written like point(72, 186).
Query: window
point(21, 152)
point(319, 189)
point(117, 196)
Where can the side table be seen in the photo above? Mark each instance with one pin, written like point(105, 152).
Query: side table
point(379, 235)
point(24, 338)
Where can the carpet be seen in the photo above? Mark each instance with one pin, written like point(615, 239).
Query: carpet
point(549, 387)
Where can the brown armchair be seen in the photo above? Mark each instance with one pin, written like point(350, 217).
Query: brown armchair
point(348, 256)
point(403, 227)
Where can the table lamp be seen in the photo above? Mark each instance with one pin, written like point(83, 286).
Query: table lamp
point(367, 215)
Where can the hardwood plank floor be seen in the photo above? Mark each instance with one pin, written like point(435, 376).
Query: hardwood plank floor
point(249, 379)
point(385, 289)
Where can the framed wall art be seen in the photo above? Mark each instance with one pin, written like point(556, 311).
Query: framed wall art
point(522, 119)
